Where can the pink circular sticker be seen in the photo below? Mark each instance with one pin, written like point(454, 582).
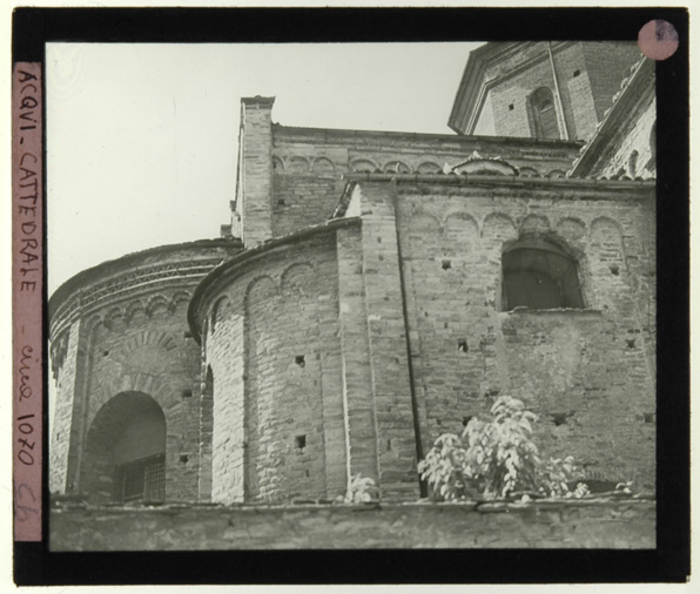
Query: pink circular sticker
point(658, 40)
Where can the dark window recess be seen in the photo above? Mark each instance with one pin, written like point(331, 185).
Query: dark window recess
point(615, 269)
point(184, 458)
point(650, 417)
point(538, 274)
point(105, 353)
point(300, 442)
point(466, 419)
point(299, 360)
point(140, 480)
point(187, 334)
point(186, 393)
point(630, 343)
point(280, 201)
point(544, 114)
point(577, 72)
point(462, 346)
point(446, 264)
point(511, 107)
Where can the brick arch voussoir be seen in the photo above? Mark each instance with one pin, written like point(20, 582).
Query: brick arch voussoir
point(179, 297)
point(131, 382)
point(494, 218)
point(132, 309)
point(464, 218)
point(257, 282)
point(534, 223)
point(288, 274)
point(154, 302)
point(420, 217)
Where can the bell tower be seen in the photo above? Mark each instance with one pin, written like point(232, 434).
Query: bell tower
point(545, 90)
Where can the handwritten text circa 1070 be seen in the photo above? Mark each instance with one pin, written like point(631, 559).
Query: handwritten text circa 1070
point(27, 297)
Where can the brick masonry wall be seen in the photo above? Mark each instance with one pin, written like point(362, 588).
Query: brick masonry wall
point(308, 165)
point(388, 347)
point(608, 64)
point(146, 350)
point(255, 170)
point(585, 96)
point(65, 433)
point(582, 524)
point(633, 153)
point(275, 357)
point(594, 366)
point(124, 330)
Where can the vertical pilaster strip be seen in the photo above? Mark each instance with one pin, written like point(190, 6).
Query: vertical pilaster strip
point(256, 170)
point(358, 397)
point(388, 342)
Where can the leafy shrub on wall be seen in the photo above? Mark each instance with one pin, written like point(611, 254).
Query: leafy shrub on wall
point(497, 458)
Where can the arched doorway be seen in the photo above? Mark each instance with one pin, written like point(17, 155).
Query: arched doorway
point(124, 458)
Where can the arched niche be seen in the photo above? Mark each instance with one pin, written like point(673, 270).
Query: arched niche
point(124, 453)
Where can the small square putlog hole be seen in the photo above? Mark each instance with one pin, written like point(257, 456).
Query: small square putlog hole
point(299, 360)
point(300, 442)
point(559, 418)
point(462, 346)
point(446, 264)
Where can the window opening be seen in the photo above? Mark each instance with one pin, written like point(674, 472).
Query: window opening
point(141, 480)
point(538, 274)
point(544, 114)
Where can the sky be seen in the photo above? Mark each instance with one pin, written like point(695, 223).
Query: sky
point(142, 138)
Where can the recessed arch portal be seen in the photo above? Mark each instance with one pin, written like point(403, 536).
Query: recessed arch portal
point(124, 455)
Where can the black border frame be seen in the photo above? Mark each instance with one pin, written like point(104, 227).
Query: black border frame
point(670, 561)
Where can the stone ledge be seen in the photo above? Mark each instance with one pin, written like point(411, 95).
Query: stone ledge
point(587, 523)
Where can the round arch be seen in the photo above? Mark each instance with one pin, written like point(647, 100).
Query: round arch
point(124, 452)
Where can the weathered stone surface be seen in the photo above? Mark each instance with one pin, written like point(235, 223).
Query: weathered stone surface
point(616, 525)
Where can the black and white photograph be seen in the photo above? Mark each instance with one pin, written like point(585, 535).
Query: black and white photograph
point(353, 295)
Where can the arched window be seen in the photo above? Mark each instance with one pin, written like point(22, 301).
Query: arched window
point(124, 457)
point(544, 114)
point(539, 274)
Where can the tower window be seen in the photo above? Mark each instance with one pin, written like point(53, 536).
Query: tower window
point(538, 274)
point(544, 114)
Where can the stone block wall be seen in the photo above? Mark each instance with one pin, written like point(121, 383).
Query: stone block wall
point(588, 373)
point(119, 329)
point(588, 75)
point(292, 178)
point(255, 170)
point(272, 345)
point(635, 152)
point(543, 525)
point(610, 64)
